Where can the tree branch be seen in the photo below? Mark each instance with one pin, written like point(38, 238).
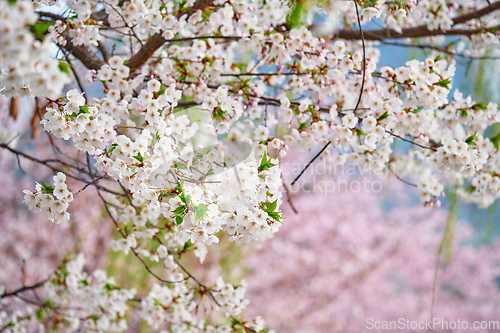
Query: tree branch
point(155, 42)
point(87, 57)
point(83, 53)
point(20, 290)
point(420, 31)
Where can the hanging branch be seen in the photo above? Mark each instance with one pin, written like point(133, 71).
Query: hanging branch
point(359, 97)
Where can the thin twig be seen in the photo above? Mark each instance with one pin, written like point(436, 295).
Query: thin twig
point(92, 182)
point(289, 198)
point(409, 141)
point(310, 162)
point(359, 98)
point(20, 290)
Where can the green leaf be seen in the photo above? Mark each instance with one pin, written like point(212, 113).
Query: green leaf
point(470, 139)
point(128, 228)
point(162, 89)
point(496, 140)
point(64, 67)
point(180, 186)
point(444, 83)
point(39, 314)
point(275, 215)
point(295, 18)
point(47, 189)
point(73, 115)
point(200, 212)
point(265, 164)
point(479, 106)
point(40, 28)
point(263, 161)
point(84, 109)
point(270, 206)
point(218, 114)
point(12, 2)
point(273, 206)
point(359, 132)
point(179, 165)
point(178, 220)
point(139, 157)
point(179, 210)
point(156, 139)
point(111, 148)
point(382, 117)
point(109, 287)
point(187, 245)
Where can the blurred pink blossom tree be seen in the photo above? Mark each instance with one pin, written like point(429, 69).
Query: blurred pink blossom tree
point(343, 259)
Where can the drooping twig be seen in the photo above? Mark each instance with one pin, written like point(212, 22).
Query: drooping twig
point(409, 141)
point(289, 198)
point(359, 98)
point(310, 162)
point(92, 182)
point(20, 290)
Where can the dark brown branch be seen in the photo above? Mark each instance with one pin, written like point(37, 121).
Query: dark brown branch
point(83, 53)
point(420, 31)
point(155, 42)
point(54, 169)
point(92, 182)
point(310, 162)
point(20, 290)
point(52, 16)
point(104, 52)
point(87, 57)
point(444, 49)
point(289, 198)
point(409, 141)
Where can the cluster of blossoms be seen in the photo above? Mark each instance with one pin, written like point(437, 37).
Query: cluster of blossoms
point(206, 195)
point(176, 305)
point(89, 129)
point(434, 15)
point(97, 304)
point(97, 298)
point(51, 201)
point(82, 302)
point(26, 65)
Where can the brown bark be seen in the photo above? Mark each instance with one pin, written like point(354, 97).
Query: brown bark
point(84, 54)
point(155, 42)
point(420, 31)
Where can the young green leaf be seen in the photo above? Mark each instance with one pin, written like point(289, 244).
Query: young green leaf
point(470, 139)
point(496, 140)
